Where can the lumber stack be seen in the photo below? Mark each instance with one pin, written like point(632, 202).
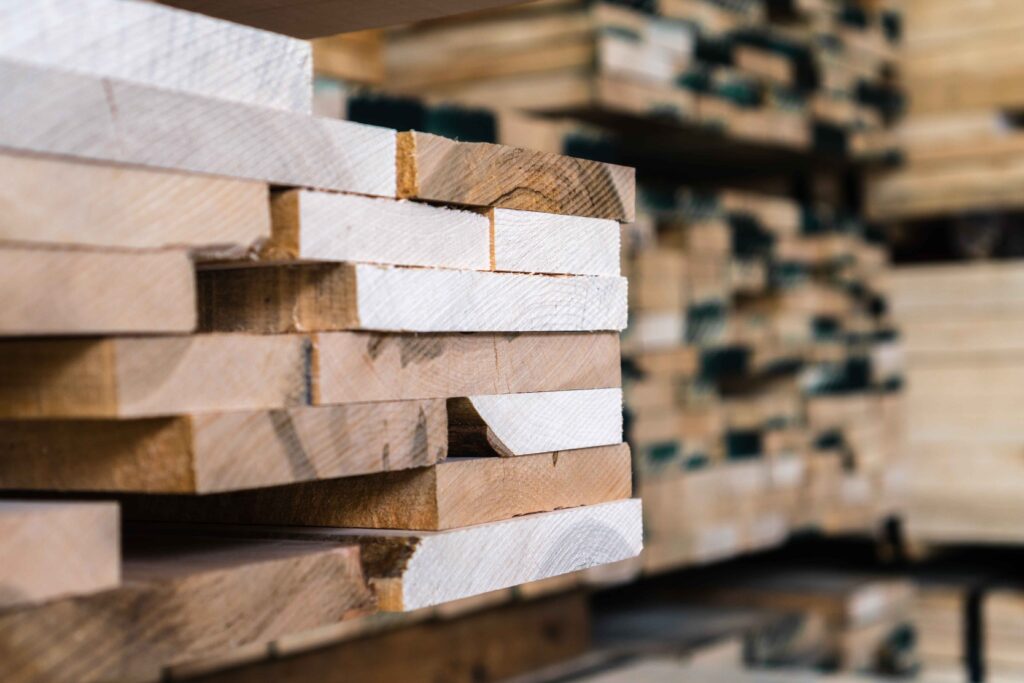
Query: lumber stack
point(301, 369)
point(762, 371)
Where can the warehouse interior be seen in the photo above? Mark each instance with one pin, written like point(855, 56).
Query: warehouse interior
point(482, 341)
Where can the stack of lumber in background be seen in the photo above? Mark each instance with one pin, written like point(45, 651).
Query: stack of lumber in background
point(962, 141)
point(322, 368)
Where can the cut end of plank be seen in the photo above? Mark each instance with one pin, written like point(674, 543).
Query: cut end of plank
point(405, 161)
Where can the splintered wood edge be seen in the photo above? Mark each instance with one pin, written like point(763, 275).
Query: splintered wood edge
point(405, 160)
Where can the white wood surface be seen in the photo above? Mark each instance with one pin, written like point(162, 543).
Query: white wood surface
point(533, 242)
point(161, 46)
point(57, 112)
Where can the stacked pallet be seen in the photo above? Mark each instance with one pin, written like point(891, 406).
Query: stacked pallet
point(762, 371)
point(800, 77)
point(325, 368)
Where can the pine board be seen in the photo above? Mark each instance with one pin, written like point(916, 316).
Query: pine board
point(160, 46)
point(105, 119)
point(95, 292)
point(327, 297)
point(457, 492)
point(533, 242)
point(216, 452)
point(53, 550)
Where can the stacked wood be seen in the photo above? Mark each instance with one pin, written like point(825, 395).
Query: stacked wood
point(389, 361)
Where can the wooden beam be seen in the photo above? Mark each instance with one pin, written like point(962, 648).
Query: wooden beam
point(521, 424)
point(433, 168)
point(533, 242)
point(163, 47)
point(154, 376)
point(382, 367)
point(68, 291)
point(61, 202)
point(104, 119)
point(215, 452)
point(184, 600)
point(322, 226)
point(455, 493)
point(316, 18)
point(52, 550)
point(325, 297)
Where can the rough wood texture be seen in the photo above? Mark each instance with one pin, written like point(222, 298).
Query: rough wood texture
point(65, 291)
point(315, 18)
point(57, 112)
point(379, 367)
point(521, 424)
point(433, 168)
point(152, 376)
point(180, 601)
point(52, 550)
point(490, 645)
point(321, 226)
point(62, 202)
point(325, 297)
point(144, 42)
point(532, 242)
point(455, 493)
point(213, 452)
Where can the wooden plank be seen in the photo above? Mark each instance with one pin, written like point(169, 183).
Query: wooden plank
point(168, 48)
point(326, 297)
point(378, 367)
point(321, 226)
point(316, 18)
point(533, 242)
point(213, 452)
point(53, 550)
point(184, 600)
point(105, 119)
point(433, 168)
point(506, 641)
point(66, 291)
point(63, 203)
point(458, 492)
point(522, 424)
point(152, 376)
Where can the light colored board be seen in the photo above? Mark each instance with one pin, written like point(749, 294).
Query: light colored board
point(321, 226)
point(160, 46)
point(55, 112)
point(52, 550)
point(151, 376)
point(378, 367)
point(66, 203)
point(315, 18)
point(181, 602)
point(532, 242)
point(326, 297)
point(213, 452)
point(521, 424)
point(352, 57)
point(67, 291)
point(458, 492)
point(433, 168)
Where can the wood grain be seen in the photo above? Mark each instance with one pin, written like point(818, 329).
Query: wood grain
point(168, 48)
point(184, 600)
point(458, 492)
point(327, 297)
point(214, 452)
point(321, 226)
point(52, 550)
point(62, 202)
point(521, 424)
point(96, 292)
point(381, 367)
point(532, 242)
point(433, 168)
point(105, 119)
